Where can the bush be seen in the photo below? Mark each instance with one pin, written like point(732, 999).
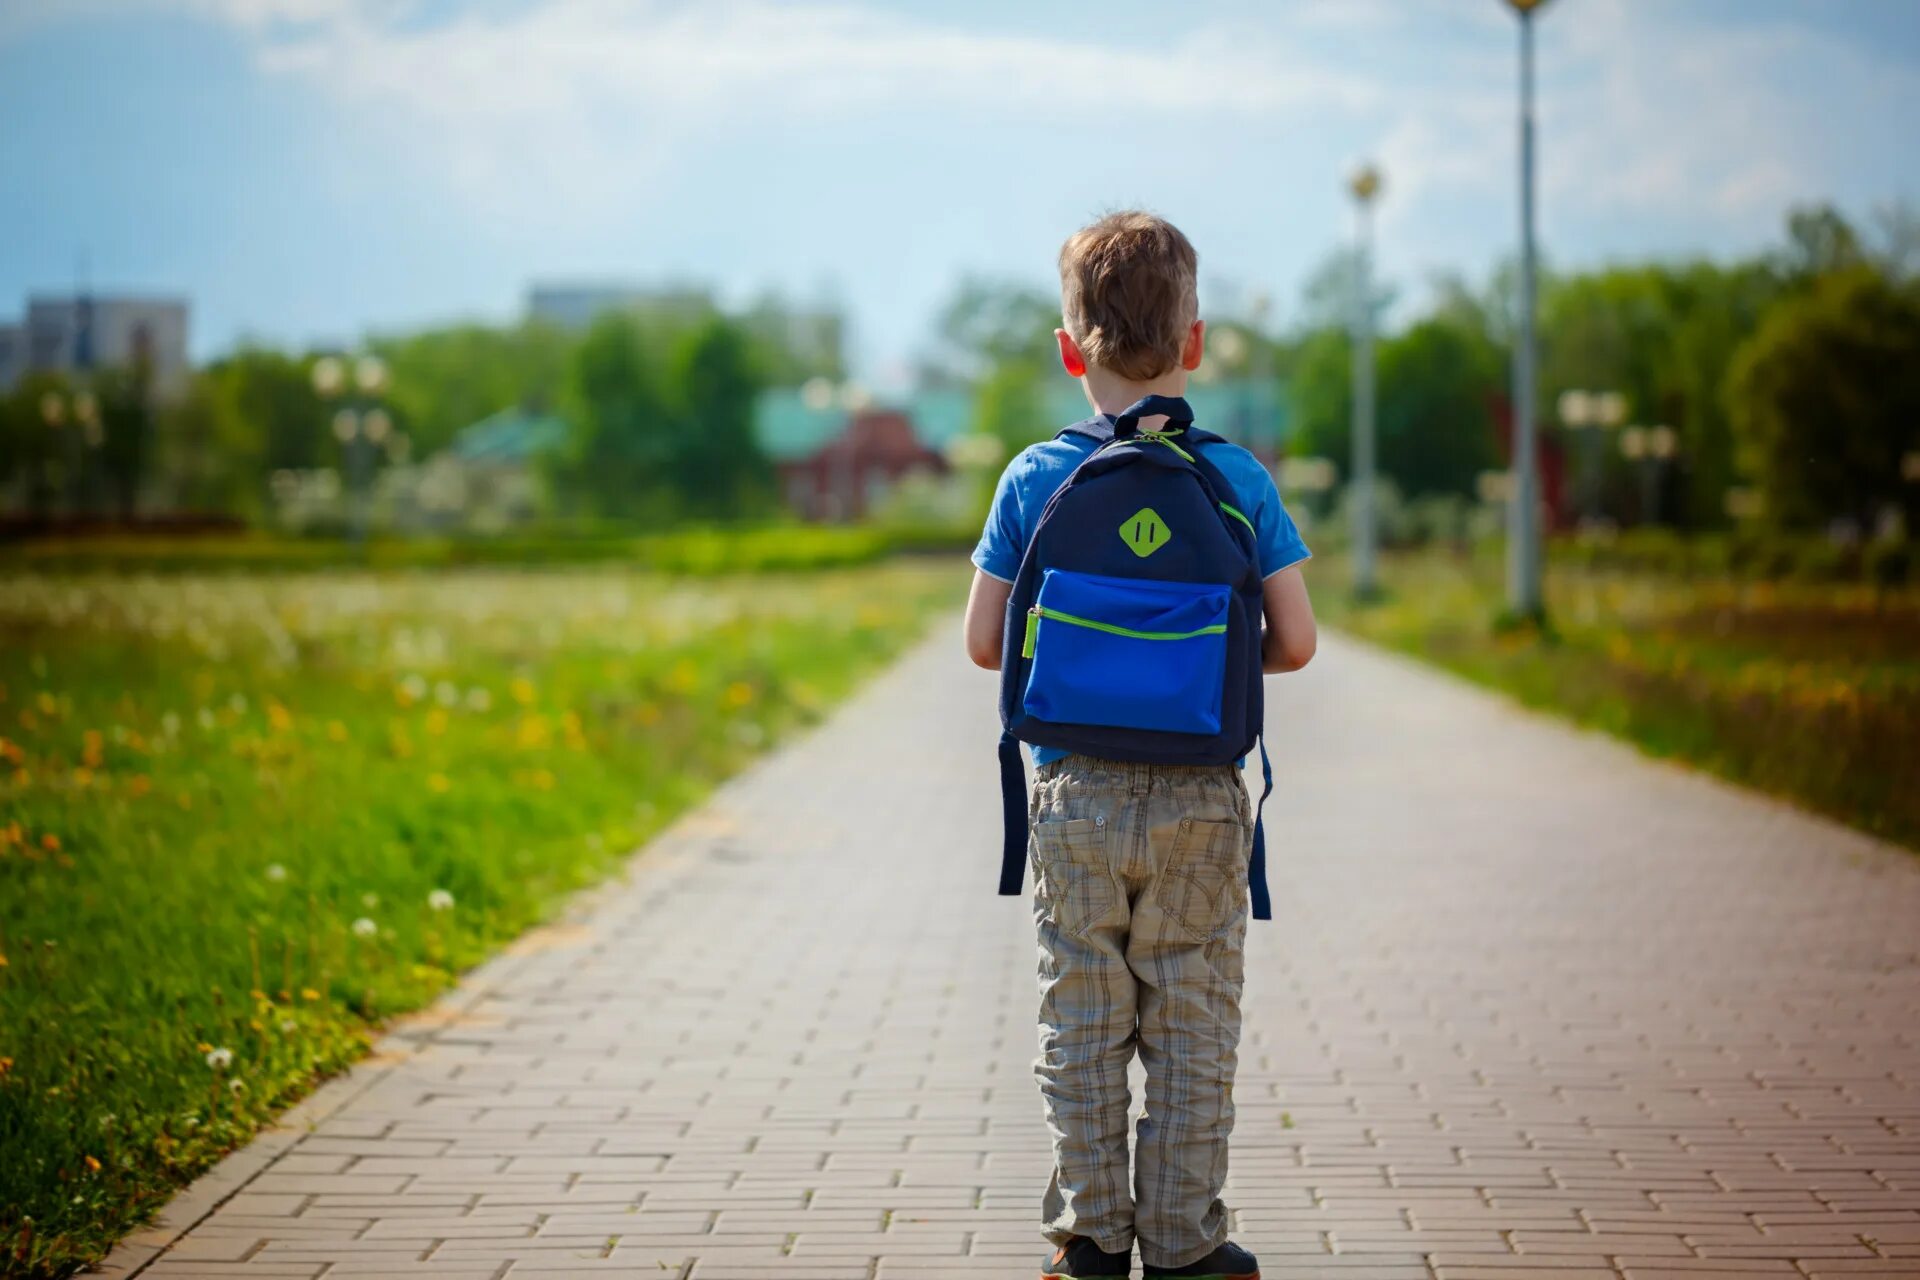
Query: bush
point(1888, 564)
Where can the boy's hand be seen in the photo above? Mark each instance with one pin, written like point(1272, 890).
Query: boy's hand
point(986, 619)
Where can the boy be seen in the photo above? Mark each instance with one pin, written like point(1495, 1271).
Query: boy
point(1131, 957)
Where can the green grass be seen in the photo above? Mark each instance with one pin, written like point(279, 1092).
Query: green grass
point(1807, 690)
point(773, 548)
point(244, 818)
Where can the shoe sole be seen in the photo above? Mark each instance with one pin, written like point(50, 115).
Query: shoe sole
point(1215, 1275)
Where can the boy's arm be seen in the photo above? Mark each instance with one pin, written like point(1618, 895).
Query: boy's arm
point(1291, 632)
point(986, 619)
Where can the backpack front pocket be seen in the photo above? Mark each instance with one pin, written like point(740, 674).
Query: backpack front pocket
point(1130, 653)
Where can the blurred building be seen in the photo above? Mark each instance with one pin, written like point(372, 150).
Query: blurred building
point(838, 457)
point(489, 476)
point(82, 332)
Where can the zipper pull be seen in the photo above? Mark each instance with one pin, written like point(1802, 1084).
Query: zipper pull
point(1033, 631)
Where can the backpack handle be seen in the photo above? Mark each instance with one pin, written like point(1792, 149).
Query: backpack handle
point(1173, 407)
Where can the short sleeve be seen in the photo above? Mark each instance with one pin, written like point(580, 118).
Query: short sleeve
point(1003, 541)
point(1280, 543)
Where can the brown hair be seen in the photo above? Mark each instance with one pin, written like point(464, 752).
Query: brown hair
point(1127, 293)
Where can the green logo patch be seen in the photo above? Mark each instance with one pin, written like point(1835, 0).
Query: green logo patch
point(1144, 532)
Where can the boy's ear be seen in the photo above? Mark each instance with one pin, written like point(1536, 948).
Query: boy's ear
point(1195, 346)
point(1070, 358)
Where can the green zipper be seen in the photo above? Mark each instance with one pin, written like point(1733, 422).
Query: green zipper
point(1040, 611)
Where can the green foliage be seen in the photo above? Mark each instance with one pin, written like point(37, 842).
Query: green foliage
point(1010, 405)
point(1435, 419)
point(714, 461)
point(1825, 400)
point(1436, 385)
point(248, 818)
point(666, 444)
point(987, 324)
point(444, 380)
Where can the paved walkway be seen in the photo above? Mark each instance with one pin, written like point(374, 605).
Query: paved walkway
point(1531, 1006)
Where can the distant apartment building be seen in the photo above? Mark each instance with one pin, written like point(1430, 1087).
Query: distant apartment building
point(90, 331)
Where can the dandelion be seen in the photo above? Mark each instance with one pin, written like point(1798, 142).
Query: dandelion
point(220, 1059)
point(479, 699)
point(438, 784)
point(414, 687)
point(336, 731)
point(365, 928)
point(276, 872)
point(522, 690)
point(308, 993)
point(170, 724)
point(237, 1088)
point(205, 718)
point(287, 1024)
point(369, 900)
point(440, 900)
point(239, 704)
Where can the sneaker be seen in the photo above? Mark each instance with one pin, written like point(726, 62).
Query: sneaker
point(1228, 1262)
point(1082, 1259)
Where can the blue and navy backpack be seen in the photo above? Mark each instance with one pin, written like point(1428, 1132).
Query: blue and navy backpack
point(1133, 630)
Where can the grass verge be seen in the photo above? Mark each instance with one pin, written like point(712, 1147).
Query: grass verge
point(247, 817)
point(1809, 691)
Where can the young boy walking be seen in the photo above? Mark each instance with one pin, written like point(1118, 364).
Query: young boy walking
point(1141, 869)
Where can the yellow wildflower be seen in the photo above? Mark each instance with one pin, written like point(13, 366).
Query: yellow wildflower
point(336, 731)
point(522, 691)
point(739, 694)
point(93, 1166)
point(436, 721)
point(437, 783)
point(50, 842)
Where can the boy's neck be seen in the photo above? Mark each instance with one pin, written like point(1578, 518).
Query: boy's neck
point(1114, 396)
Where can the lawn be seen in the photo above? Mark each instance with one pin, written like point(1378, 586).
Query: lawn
point(245, 817)
point(1807, 690)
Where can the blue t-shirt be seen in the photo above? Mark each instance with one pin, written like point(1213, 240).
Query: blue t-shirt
point(1040, 469)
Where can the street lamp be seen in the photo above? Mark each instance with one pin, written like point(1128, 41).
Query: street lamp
point(1650, 449)
point(359, 424)
point(1587, 414)
point(1365, 187)
point(1523, 512)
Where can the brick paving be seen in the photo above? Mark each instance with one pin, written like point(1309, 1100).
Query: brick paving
point(1530, 1006)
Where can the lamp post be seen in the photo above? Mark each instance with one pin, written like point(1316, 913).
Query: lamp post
point(1523, 511)
point(1365, 186)
point(1587, 414)
point(360, 424)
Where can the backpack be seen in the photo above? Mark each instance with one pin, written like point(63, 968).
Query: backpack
point(1133, 627)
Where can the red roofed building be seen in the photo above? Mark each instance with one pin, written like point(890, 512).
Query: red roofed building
point(853, 472)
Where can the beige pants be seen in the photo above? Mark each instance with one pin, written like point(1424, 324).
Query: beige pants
point(1140, 895)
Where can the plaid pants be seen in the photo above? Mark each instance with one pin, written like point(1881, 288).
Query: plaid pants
point(1140, 896)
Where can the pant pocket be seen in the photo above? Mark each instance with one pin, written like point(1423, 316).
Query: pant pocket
point(1203, 888)
point(1076, 884)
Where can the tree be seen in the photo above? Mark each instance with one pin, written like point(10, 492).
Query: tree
point(1322, 396)
point(1437, 386)
point(622, 427)
point(989, 323)
point(1825, 401)
point(445, 380)
point(715, 465)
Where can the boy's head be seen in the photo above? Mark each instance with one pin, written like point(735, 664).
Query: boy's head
point(1129, 300)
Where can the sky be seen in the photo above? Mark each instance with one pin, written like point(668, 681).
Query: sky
point(307, 171)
